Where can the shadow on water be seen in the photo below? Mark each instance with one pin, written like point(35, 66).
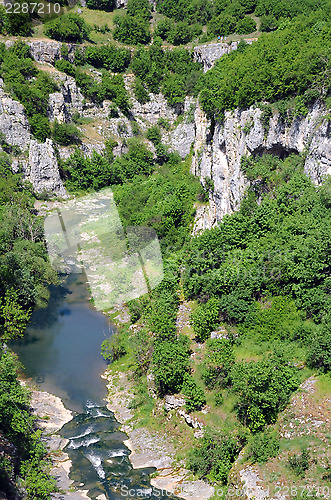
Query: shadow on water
point(61, 352)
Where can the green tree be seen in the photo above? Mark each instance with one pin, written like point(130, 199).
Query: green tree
point(131, 30)
point(67, 28)
point(218, 361)
point(13, 316)
point(170, 364)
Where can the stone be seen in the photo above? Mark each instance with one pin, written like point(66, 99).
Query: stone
point(42, 169)
point(219, 147)
point(173, 402)
point(210, 53)
point(13, 122)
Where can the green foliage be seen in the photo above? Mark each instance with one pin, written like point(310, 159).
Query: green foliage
point(279, 65)
point(277, 318)
point(65, 67)
point(140, 92)
point(163, 202)
point(300, 463)
point(142, 351)
point(214, 455)
point(108, 56)
point(112, 349)
point(268, 23)
point(66, 133)
point(174, 71)
point(153, 134)
point(245, 26)
point(131, 30)
point(265, 247)
point(67, 28)
point(28, 85)
point(170, 364)
point(262, 446)
point(139, 8)
point(218, 362)
point(194, 395)
point(107, 5)
point(205, 318)
point(320, 350)
point(13, 317)
point(264, 388)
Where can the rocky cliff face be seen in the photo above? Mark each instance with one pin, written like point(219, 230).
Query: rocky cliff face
point(42, 169)
point(219, 147)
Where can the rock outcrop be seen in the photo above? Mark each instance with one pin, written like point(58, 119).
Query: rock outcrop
point(42, 169)
point(46, 51)
point(13, 121)
point(219, 147)
point(208, 54)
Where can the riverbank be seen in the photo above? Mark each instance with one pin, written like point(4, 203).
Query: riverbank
point(152, 449)
point(51, 417)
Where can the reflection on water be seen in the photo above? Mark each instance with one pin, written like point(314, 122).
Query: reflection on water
point(61, 351)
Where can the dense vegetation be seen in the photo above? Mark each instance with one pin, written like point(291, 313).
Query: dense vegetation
point(276, 298)
point(25, 274)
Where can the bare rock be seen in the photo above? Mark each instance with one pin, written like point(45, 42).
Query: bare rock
point(13, 122)
point(173, 403)
point(42, 169)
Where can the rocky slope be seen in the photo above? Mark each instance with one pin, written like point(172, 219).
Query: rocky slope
point(218, 147)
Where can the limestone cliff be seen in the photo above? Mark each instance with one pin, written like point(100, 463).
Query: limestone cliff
point(219, 147)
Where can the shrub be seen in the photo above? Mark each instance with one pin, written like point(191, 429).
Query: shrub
point(131, 30)
point(223, 25)
point(65, 67)
point(66, 133)
point(163, 28)
point(194, 395)
point(140, 92)
point(139, 8)
point(205, 318)
point(170, 364)
point(40, 127)
point(218, 361)
point(214, 455)
point(67, 28)
point(142, 351)
point(107, 5)
point(113, 348)
point(153, 134)
point(300, 463)
point(320, 350)
point(268, 23)
point(245, 26)
point(262, 446)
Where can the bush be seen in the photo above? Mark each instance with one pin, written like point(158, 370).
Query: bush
point(214, 455)
point(218, 362)
point(205, 318)
point(114, 348)
point(245, 26)
point(107, 5)
point(264, 388)
point(194, 395)
point(170, 364)
point(223, 25)
point(300, 463)
point(139, 8)
point(131, 30)
point(68, 28)
point(40, 127)
point(66, 133)
point(163, 28)
point(262, 446)
point(108, 56)
point(140, 92)
point(153, 134)
point(320, 350)
point(65, 67)
point(180, 33)
point(268, 23)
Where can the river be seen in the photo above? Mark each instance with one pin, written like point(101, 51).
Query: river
point(61, 352)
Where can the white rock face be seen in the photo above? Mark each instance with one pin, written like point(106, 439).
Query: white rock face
point(42, 169)
point(46, 51)
point(219, 148)
point(210, 53)
point(13, 121)
point(63, 104)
